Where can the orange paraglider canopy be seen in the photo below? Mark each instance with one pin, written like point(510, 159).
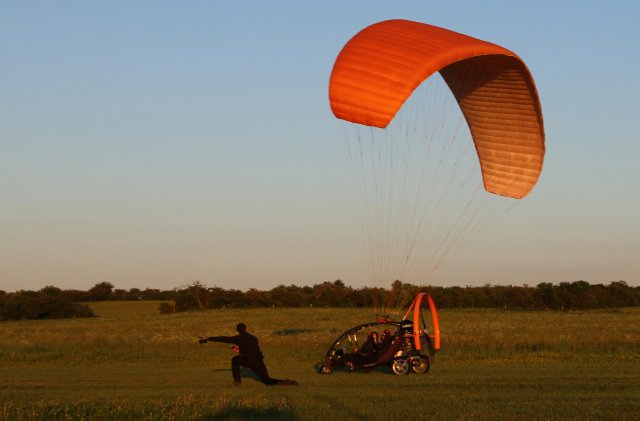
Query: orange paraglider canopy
point(379, 68)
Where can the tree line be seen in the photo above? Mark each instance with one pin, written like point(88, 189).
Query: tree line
point(53, 302)
point(578, 295)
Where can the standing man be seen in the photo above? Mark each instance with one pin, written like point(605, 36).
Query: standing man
point(250, 356)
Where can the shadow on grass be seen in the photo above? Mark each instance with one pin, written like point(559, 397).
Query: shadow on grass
point(245, 374)
point(233, 414)
point(382, 369)
point(289, 332)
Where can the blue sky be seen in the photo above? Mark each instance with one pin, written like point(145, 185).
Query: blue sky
point(153, 144)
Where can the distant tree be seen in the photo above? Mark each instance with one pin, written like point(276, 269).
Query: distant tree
point(48, 303)
point(256, 298)
point(622, 295)
point(331, 294)
point(100, 292)
point(134, 294)
point(118, 295)
point(75, 295)
point(547, 294)
point(151, 294)
point(199, 294)
point(51, 290)
point(362, 297)
point(288, 296)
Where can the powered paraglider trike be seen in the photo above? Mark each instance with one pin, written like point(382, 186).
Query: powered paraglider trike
point(406, 345)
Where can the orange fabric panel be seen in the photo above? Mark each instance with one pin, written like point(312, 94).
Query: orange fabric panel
point(381, 66)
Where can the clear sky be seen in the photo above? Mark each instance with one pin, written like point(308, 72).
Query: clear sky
point(156, 143)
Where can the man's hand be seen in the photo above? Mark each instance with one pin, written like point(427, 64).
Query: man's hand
point(202, 340)
point(235, 348)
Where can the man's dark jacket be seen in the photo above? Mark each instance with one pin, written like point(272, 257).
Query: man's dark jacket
point(247, 343)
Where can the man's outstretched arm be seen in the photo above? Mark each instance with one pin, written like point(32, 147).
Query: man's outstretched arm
point(225, 339)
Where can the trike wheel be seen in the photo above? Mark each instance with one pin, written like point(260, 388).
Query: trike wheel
point(400, 366)
point(420, 364)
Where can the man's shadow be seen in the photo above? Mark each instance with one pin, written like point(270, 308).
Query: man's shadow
point(240, 414)
point(245, 373)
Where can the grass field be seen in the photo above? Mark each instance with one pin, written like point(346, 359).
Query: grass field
point(133, 363)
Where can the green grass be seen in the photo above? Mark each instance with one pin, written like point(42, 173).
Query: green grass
point(133, 363)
